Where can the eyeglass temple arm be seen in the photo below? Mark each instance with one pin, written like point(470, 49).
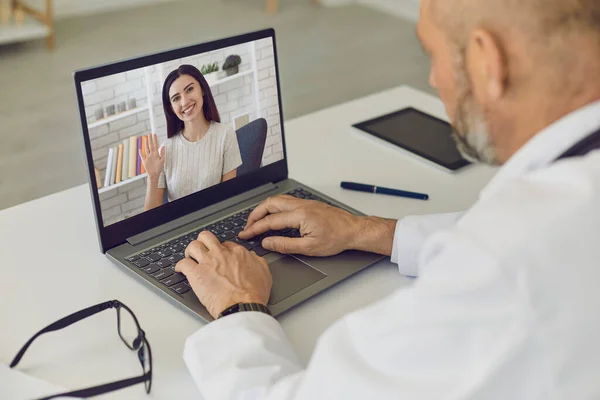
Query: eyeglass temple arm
point(63, 323)
point(101, 389)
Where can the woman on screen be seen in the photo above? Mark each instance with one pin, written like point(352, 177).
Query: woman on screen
point(199, 152)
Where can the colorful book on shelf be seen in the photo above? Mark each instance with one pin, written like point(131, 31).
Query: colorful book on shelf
point(139, 160)
point(144, 146)
point(98, 178)
point(113, 170)
point(125, 163)
point(108, 166)
point(132, 156)
point(119, 174)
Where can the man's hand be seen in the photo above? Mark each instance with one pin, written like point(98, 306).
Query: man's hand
point(325, 230)
point(225, 274)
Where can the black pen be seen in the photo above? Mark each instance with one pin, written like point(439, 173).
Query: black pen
point(361, 187)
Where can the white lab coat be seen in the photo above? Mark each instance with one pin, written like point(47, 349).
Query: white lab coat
point(507, 304)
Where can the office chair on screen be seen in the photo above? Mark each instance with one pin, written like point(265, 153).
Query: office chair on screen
point(251, 139)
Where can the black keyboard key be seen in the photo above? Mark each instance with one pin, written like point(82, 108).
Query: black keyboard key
point(254, 242)
point(294, 234)
point(177, 247)
point(260, 238)
point(238, 240)
point(164, 253)
point(215, 231)
point(144, 254)
point(153, 257)
point(186, 283)
point(228, 226)
point(260, 251)
point(248, 246)
point(226, 236)
point(180, 288)
point(174, 279)
point(150, 269)
point(271, 233)
point(133, 258)
point(142, 262)
point(163, 273)
point(165, 262)
point(238, 222)
point(236, 230)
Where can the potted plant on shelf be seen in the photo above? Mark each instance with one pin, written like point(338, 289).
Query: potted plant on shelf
point(210, 71)
point(232, 64)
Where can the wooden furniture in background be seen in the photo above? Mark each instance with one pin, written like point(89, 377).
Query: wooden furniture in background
point(20, 22)
point(273, 5)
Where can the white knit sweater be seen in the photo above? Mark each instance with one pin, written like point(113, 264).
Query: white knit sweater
point(194, 166)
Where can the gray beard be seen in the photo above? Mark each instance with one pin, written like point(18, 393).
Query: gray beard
point(470, 130)
point(472, 138)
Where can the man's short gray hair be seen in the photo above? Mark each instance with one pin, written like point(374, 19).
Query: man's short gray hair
point(561, 36)
point(540, 20)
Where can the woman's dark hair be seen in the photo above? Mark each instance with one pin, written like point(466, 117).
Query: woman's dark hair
point(174, 124)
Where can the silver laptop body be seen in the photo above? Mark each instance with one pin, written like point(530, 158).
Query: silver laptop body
point(149, 243)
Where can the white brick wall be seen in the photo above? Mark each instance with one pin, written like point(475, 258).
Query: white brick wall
point(233, 98)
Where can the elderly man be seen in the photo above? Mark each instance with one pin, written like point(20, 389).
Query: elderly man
point(507, 304)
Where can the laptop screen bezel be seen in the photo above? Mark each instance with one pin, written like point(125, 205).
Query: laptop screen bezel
point(117, 233)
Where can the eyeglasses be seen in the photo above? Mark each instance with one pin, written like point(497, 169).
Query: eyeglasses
point(130, 333)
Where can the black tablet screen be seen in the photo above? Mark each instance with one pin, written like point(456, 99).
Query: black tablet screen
point(420, 133)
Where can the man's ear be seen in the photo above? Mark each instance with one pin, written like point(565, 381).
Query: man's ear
point(487, 66)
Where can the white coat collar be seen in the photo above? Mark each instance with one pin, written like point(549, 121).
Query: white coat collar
point(548, 145)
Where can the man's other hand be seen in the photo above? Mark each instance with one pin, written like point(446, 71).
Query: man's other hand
point(325, 230)
point(222, 275)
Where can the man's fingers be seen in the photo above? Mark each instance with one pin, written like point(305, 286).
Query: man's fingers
point(285, 245)
point(185, 266)
point(209, 240)
point(273, 222)
point(230, 245)
point(272, 205)
point(196, 250)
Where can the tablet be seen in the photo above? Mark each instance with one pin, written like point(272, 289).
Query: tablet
point(419, 133)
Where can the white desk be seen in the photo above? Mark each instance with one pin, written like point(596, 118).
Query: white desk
point(51, 265)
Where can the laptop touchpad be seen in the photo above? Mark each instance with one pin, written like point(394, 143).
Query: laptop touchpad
point(291, 276)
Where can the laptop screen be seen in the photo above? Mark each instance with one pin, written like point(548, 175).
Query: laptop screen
point(167, 131)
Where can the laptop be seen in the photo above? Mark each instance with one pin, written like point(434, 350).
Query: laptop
point(121, 103)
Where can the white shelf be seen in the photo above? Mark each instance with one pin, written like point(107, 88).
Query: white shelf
point(213, 82)
point(115, 117)
point(31, 29)
point(122, 183)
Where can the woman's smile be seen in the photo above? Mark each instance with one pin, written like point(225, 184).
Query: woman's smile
point(187, 111)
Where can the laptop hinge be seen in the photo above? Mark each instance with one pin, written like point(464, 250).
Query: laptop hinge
point(200, 214)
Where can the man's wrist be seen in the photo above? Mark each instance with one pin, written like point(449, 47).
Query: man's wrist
point(237, 300)
point(242, 307)
point(374, 235)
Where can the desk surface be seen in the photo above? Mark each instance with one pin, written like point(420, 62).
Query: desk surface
point(52, 265)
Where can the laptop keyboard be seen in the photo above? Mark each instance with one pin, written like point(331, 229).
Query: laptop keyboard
point(159, 261)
